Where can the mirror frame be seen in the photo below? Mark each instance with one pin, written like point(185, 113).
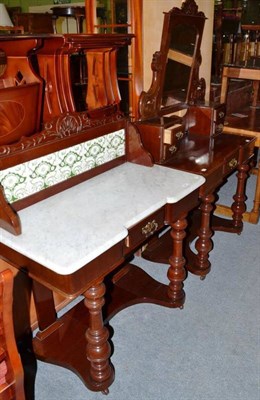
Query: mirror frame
point(150, 102)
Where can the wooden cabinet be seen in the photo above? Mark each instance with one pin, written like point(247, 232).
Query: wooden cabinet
point(34, 22)
point(122, 16)
point(161, 136)
point(233, 42)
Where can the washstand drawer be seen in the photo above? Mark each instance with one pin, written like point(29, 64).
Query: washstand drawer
point(138, 233)
point(169, 150)
point(231, 162)
point(171, 141)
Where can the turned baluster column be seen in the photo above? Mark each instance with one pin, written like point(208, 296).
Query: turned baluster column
point(98, 348)
point(239, 206)
point(256, 206)
point(177, 273)
point(203, 244)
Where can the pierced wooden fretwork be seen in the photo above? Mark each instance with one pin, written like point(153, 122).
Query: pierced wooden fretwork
point(58, 128)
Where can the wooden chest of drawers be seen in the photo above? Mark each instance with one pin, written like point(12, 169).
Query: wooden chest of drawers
point(161, 136)
point(206, 118)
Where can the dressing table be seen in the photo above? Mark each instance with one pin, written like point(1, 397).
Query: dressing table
point(193, 142)
point(78, 197)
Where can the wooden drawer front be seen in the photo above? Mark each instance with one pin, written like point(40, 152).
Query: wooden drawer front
point(173, 134)
point(144, 229)
point(231, 162)
point(157, 133)
point(169, 150)
point(171, 141)
point(219, 117)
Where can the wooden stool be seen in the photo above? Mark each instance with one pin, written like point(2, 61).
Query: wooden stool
point(78, 13)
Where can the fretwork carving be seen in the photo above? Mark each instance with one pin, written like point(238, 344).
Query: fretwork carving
point(60, 127)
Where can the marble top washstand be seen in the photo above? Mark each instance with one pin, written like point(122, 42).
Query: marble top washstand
point(70, 229)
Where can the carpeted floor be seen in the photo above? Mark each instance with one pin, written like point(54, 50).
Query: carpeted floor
point(207, 351)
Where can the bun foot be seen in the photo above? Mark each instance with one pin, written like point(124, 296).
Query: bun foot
point(105, 391)
point(202, 278)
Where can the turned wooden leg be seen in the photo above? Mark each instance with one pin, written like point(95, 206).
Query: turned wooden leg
point(256, 206)
point(98, 348)
point(203, 245)
point(177, 272)
point(239, 206)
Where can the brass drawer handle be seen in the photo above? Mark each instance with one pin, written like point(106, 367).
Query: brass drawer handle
point(233, 163)
point(150, 228)
point(179, 135)
point(219, 127)
point(221, 114)
point(172, 149)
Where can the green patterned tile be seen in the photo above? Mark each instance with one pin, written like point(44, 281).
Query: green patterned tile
point(28, 178)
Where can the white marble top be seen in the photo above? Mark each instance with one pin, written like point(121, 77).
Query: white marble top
point(70, 229)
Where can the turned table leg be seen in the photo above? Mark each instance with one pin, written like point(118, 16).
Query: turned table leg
point(200, 264)
point(256, 207)
point(239, 206)
point(176, 272)
point(98, 349)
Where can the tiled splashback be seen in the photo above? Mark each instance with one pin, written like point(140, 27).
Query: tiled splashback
point(28, 178)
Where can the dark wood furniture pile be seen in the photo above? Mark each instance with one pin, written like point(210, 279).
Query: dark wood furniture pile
point(76, 200)
point(235, 32)
point(238, 84)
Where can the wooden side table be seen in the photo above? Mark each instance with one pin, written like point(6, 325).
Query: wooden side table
point(78, 13)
